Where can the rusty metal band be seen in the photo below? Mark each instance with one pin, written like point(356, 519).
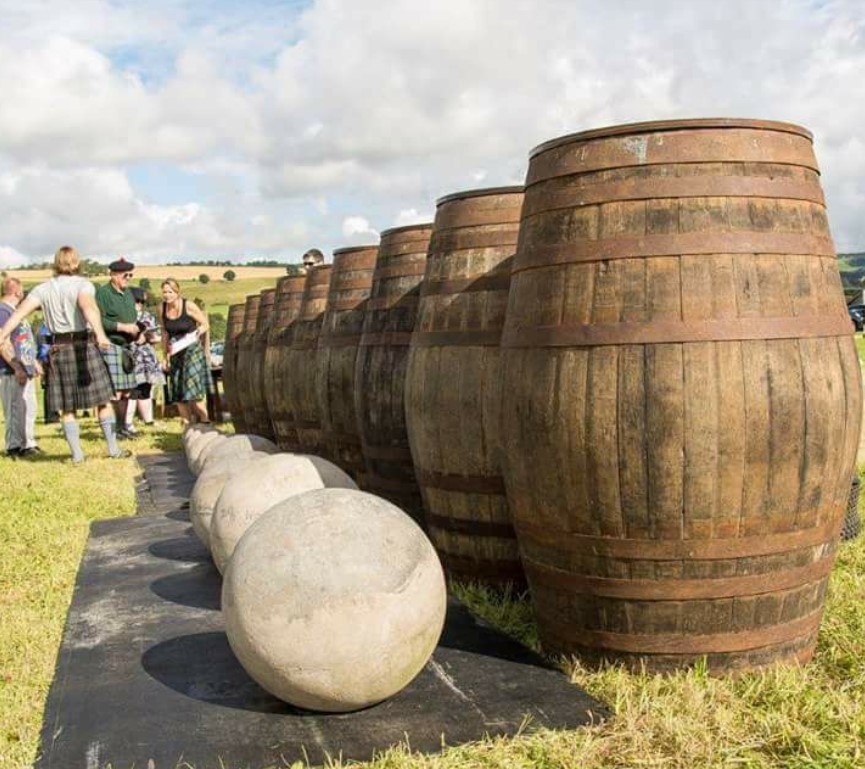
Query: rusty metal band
point(468, 240)
point(351, 284)
point(387, 453)
point(341, 438)
point(471, 528)
point(541, 201)
point(679, 332)
point(468, 484)
point(454, 216)
point(339, 340)
point(386, 339)
point(498, 569)
point(389, 302)
point(304, 344)
point(678, 643)
point(676, 589)
point(346, 305)
point(412, 270)
point(679, 549)
point(490, 281)
point(670, 148)
point(467, 338)
point(685, 244)
point(374, 482)
point(360, 260)
point(390, 249)
point(307, 424)
point(316, 292)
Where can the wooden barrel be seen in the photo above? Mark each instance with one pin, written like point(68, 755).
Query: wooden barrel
point(234, 327)
point(261, 424)
point(350, 286)
point(382, 357)
point(454, 385)
point(682, 393)
point(299, 375)
point(289, 295)
point(242, 371)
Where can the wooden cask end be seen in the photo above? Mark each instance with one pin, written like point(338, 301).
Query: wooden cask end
point(350, 286)
point(242, 369)
point(299, 375)
point(683, 394)
point(261, 424)
point(289, 297)
point(382, 358)
point(454, 385)
point(234, 327)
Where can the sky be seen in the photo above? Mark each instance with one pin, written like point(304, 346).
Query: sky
point(203, 129)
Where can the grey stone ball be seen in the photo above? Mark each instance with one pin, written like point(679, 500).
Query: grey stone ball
point(236, 446)
point(195, 448)
point(208, 487)
point(247, 495)
point(334, 600)
point(191, 432)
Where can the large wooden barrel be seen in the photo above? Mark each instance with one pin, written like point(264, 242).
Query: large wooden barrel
point(382, 357)
point(234, 327)
point(682, 393)
point(289, 296)
point(299, 375)
point(261, 424)
point(454, 384)
point(242, 371)
point(350, 286)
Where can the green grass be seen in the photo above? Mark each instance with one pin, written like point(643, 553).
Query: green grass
point(219, 294)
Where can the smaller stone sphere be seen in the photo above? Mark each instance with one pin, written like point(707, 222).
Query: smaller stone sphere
point(196, 446)
point(191, 432)
point(334, 600)
point(247, 495)
point(208, 487)
point(236, 446)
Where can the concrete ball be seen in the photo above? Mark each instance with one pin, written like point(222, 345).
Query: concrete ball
point(208, 487)
point(196, 447)
point(247, 495)
point(191, 432)
point(236, 446)
point(334, 600)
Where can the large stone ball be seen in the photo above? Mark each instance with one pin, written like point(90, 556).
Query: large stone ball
point(208, 487)
point(236, 446)
point(334, 600)
point(193, 431)
point(196, 446)
point(245, 496)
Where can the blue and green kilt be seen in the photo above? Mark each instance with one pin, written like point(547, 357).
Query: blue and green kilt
point(114, 360)
point(189, 377)
point(76, 377)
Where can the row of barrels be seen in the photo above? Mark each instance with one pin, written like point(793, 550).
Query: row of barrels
point(631, 382)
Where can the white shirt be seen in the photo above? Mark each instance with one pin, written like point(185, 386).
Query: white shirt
point(58, 299)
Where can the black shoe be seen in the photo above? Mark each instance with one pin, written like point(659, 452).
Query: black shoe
point(32, 451)
point(122, 454)
point(14, 453)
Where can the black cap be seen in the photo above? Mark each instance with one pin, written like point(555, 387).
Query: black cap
point(121, 265)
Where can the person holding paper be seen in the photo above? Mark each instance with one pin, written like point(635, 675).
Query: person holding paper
point(184, 326)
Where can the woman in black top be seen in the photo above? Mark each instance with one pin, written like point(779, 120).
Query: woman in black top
point(188, 367)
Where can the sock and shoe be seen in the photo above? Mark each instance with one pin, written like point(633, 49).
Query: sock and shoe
point(108, 430)
point(73, 437)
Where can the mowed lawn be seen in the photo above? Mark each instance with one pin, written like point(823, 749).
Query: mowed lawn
point(795, 718)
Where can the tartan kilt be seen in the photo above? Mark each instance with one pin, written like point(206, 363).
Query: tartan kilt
point(114, 360)
point(189, 377)
point(76, 377)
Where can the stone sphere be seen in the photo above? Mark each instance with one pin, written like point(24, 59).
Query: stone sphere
point(191, 432)
point(236, 446)
point(196, 446)
point(334, 600)
point(247, 495)
point(208, 487)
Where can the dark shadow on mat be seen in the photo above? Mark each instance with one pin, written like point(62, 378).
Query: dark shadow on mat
point(188, 549)
point(200, 587)
point(181, 514)
point(203, 667)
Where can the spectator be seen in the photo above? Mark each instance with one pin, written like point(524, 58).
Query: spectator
point(148, 371)
point(117, 308)
point(18, 367)
point(77, 375)
point(312, 258)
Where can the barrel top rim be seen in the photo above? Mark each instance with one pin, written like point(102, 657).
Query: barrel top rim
point(268, 291)
point(407, 228)
point(652, 126)
point(517, 189)
point(252, 298)
point(353, 249)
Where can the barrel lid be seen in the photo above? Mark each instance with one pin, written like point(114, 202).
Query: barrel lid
point(352, 249)
point(653, 126)
point(408, 228)
point(514, 190)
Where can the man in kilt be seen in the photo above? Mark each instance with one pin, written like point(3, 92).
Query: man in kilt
point(77, 375)
point(119, 315)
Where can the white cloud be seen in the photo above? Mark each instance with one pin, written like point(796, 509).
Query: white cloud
point(9, 257)
point(357, 230)
point(411, 216)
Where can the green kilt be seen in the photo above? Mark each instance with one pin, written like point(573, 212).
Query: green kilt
point(76, 377)
point(189, 377)
point(114, 360)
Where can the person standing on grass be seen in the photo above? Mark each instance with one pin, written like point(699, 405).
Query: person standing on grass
point(77, 375)
point(18, 367)
point(184, 331)
point(148, 371)
point(119, 316)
